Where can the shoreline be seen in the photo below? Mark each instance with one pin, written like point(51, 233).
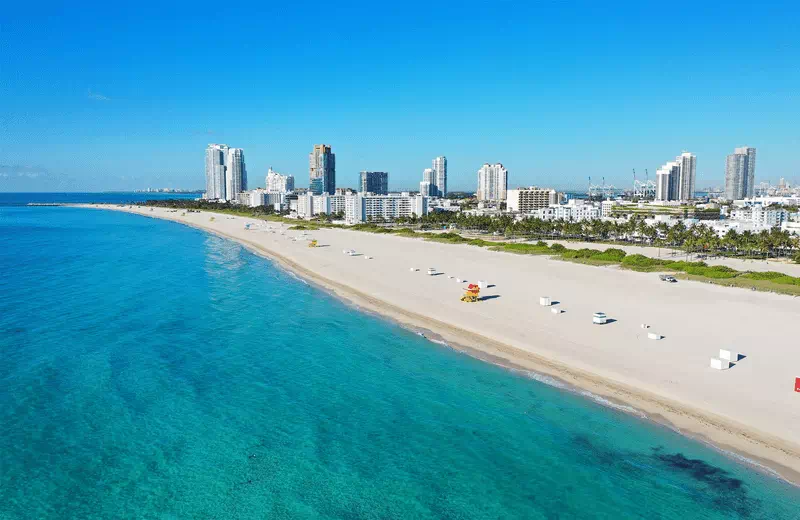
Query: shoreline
point(761, 451)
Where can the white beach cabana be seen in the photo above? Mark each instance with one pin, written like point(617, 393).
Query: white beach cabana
point(730, 355)
point(545, 301)
point(720, 364)
point(599, 318)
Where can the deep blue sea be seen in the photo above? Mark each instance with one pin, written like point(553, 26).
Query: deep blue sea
point(150, 370)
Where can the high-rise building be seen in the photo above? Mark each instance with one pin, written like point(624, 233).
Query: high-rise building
point(429, 176)
point(277, 183)
point(440, 175)
point(428, 185)
point(427, 189)
point(322, 170)
point(668, 181)
point(687, 163)
point(675, 180)
point(740, 172)
point(235, 175)
point(492, 182)
point(374, 182)
point(216, 160)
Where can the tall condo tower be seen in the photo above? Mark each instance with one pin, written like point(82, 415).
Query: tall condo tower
point(236, 175)
point(675, 180)
point(374, 182)
point(688, 170)
point(740, 172)
point(440, 173)
point(427, 187)
point(322, 170)
point(668, 181)
point(492, 182)
point(216, 161)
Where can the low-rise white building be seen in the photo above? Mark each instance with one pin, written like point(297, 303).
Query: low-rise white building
point(527, 200)
point(791, 227)
point(360, 207)
point(435, 203)
point(721, 227)
point(367, 208)
point(575, 210)
point(770, 217)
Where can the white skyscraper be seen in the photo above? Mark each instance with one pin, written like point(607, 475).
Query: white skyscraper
point(440, 172)
point(668, 181)
point(740, 172)
point(429, 176)
point(675, 180)
point(216, 161)
point(492, 182)
point(688, 170)
point(428, 185)
point(277, 183)
point(236, 174)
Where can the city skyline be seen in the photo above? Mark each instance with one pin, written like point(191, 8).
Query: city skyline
point(582, 100)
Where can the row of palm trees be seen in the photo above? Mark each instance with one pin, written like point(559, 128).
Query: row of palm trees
point(698, 238)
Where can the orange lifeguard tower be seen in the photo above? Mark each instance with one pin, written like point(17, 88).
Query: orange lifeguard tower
point(471, 295)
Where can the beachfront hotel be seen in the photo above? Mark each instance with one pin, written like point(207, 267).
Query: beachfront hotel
point(322, 170)
point(362, 207)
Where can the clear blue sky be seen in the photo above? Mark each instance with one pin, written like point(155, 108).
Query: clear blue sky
point(105, 97)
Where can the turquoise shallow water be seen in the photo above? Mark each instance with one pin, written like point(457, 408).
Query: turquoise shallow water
point(150, 370)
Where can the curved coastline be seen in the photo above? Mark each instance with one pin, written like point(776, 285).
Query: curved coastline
point(773, 455)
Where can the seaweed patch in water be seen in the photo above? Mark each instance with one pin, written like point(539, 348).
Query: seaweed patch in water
point(725, 492)
point(701, 470)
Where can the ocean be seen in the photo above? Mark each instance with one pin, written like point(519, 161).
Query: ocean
point(150, 370)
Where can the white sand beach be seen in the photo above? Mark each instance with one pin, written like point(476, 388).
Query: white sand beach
point(751, 408)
